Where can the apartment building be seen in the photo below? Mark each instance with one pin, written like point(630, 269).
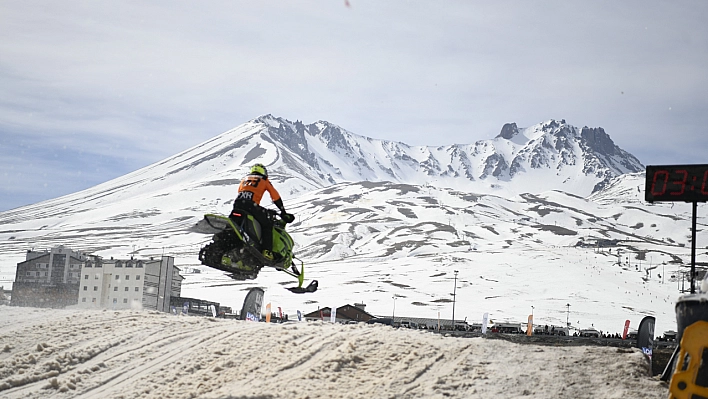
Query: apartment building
point(129, 284)
point(48, 278)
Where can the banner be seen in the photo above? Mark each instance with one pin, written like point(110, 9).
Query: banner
point(280, 313)
point(529, 326)
point(299, 315)
point(645, 337)
point(252, 305)
point(626, 328)
point(268, 311)
point(485, 320)
point(333, 315)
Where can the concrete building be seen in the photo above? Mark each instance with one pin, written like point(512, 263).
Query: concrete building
point(129, 284)
point(48, 278)
point(62, 277)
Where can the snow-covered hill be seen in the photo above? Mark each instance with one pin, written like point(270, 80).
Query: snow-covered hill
point(378, 220)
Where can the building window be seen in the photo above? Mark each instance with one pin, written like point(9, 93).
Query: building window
point(29, 273)
point(118, 264)
point(85, 288)
point(115, 288)
point(96, 277)
point(127, 277)
point(95, 288)
point(83, 299)
point(126, 288)
point(47, 274)
point(93, 300)
point(117, 277)
point(139, 264)
point(137, 289)
point(125, 300)
point(85, 276)
point(37, 274)
point(115, 300)
point(137, 277)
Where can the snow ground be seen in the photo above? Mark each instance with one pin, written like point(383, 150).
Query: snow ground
point(126, 354)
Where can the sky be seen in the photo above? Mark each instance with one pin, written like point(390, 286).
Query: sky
point(94, 90)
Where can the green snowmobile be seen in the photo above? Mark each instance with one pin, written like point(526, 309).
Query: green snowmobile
point(235, 247)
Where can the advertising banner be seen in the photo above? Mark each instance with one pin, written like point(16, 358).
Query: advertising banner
point(252, 305)
point(626, 328)
point(485, 320)
point(529, 326)
point(645, 336)
point(268, 313)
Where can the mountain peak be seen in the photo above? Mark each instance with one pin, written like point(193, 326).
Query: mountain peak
point(509, 130)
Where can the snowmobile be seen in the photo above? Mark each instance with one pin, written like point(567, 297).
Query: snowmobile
point(235, 247)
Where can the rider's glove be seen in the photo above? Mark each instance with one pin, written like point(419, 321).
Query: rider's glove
point(287, 217)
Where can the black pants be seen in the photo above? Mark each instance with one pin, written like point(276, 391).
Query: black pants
point(259, 213)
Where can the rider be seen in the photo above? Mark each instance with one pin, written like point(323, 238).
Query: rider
point(250, 192)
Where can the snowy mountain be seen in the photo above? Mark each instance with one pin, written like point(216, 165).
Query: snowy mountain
point(519, 216)
point(551, 155)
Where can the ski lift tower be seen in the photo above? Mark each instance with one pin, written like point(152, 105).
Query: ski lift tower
point(679, 183)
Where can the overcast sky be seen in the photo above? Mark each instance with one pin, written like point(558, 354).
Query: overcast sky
point(92, 90)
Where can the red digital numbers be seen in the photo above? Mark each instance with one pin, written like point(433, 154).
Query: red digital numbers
point(681, 183)
point(663, 176)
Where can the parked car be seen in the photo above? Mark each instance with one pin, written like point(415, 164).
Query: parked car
point(381, 320)
point(590, 333)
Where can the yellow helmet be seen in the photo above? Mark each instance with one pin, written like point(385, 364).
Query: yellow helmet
point(259, 169)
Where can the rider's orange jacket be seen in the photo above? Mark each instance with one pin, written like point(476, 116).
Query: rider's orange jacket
point(253, 186)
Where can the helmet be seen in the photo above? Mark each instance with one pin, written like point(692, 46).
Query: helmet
point(259, 169)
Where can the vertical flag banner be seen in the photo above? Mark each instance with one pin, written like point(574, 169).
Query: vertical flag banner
point(280, 313)
point(299, 315)
point(645, 337)
point(626, 328)
point(268, 311)
point(252, 305)
point(485, 320)
point(529, 326)
point(333, 315)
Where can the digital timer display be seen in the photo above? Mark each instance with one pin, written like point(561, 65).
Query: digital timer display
point(676, 183)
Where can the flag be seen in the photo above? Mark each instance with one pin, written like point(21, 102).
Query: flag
point(485, 320)
point(333, 315)
point(268, 313)
point(299, 315)
point(529, 326)
point(645, 337)
point(280, 313)
point(626, 328)
point(252, 305)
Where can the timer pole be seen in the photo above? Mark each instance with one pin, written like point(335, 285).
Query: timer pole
point(693, 248)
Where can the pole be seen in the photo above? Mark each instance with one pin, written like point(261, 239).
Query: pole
point(567, 318)
point(693, 248)
point(393, 316)
point(454, 297)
